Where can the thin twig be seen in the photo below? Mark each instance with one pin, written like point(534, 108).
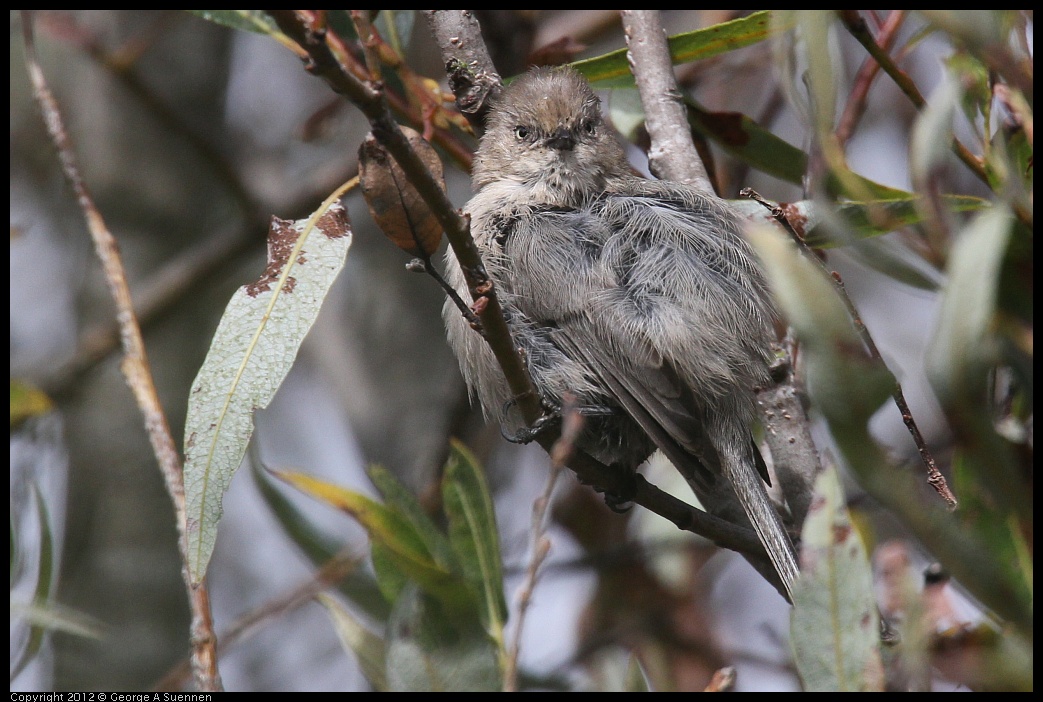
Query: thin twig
point(857, 27)
point(135, 363)
point(672, 155)
point(934, 476)
point(331, 573)
point(867, 72)
point(572, 423)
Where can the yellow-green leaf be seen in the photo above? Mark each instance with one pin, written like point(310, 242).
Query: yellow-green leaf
point(473, 534)
point(613, 70)
point(27, 401)
point(399, 538)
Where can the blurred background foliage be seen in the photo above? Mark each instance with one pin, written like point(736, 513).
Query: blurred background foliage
point(915, 168)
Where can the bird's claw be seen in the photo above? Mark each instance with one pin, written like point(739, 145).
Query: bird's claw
point(551, 416)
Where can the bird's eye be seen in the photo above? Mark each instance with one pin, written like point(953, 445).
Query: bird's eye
point(589, 127)
point(521, 132)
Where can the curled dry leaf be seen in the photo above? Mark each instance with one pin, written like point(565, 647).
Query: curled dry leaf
point(395, 204)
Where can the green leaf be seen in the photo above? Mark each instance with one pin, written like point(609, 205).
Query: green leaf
point(253, 349)
point(966, 348)
point(246, 20)
point(613, 70)
point(384, 524)
point(835, 629)
point(404, 545)
point(41, 614)
point(27, 401)
point(636, 680)
point(50, 616)
point(473, 534)
point(369, 649)
point(930, 146)
point(390, 579)
point(396, 26)
point(358, 586)
point(965, 345)
point(857, 219)
point(744, 139)
point(877, 217)
point(999, 530)
point(430, 651)
point(399, 498)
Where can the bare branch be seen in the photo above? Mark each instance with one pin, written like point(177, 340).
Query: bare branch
point(370, 99)
point(672, 155)
point(135, 365)
point(856, 25)
point(472, 76)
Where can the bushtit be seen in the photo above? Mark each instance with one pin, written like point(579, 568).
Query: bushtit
point(638, 297)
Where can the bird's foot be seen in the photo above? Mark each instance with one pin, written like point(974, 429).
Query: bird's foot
point(551, 417)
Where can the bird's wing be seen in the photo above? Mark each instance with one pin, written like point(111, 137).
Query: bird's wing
point(654, 397)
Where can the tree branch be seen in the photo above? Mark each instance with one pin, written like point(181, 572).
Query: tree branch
point(135, 364)
point(370, 99)
point(472, 76)
point(458, 33)
point(858, 29)
point(672, 155)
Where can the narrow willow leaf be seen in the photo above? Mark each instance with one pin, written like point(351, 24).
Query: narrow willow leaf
point(359, 585)
point(636, 680)
point(847, 385)
point(390, 578)
point(51, 616)
point(965, 343)
point(368, 648)
point(428, 651)
point(400, 499)
point(613, 70)
point(813, 30)
point(967, 346)
point(473, 534)
point(253, 349)
point(748, 142)
point(383, 524)
point(860, 219)
point(835, 631)
point(875, 217)
point(931, 140)
point(27, 401)
point(400, 540)
point(741, 137)
point(40, 615)
point(246, 20)
point(397, 27)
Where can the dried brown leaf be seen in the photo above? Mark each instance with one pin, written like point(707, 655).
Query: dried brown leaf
point(395, 204)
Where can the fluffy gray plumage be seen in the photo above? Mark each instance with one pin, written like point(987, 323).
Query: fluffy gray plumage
point(639, 297)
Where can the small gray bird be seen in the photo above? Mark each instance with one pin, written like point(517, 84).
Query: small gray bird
point(638, 297)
